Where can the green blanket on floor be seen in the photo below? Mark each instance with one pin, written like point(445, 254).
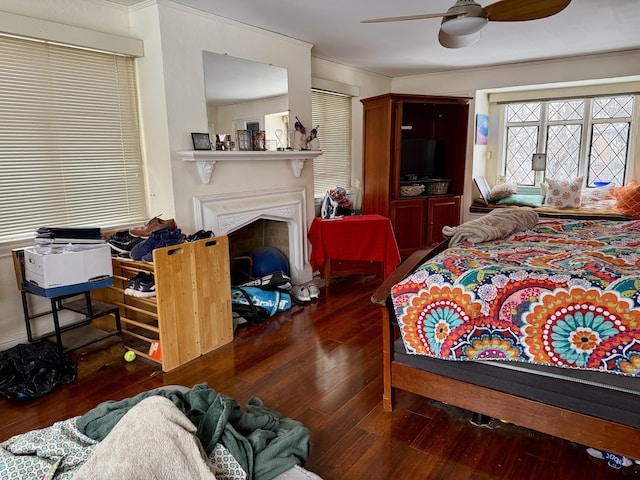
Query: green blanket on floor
point(260, 439)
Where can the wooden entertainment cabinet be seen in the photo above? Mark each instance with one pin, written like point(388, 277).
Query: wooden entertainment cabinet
point(412, 140)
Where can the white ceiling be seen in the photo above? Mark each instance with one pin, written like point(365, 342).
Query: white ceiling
point(411, 47)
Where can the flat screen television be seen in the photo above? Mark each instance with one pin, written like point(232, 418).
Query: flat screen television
point(422, 158)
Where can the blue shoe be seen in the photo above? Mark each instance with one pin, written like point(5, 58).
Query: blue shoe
point(173, 238)
point(156, 239)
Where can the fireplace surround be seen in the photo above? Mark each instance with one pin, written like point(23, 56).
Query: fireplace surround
point(227, 212)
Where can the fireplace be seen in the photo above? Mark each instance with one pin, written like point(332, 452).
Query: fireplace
point(228, 212)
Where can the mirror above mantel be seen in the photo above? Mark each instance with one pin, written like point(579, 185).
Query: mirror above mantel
point(246, 95)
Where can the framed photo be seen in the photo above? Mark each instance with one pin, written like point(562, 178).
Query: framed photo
point(201, 141)
point(259, 140)
point(482, 129)
point(245, 139)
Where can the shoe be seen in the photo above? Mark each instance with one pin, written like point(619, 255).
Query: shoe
point(200, 235)
point(123, 242)
point(158, 239)
point(156, 223)
point(300, 294)
point(174, 238)
point(142, 285)
point(314, 292)
point(276, 280)
point(147, 287)
point(133, 284)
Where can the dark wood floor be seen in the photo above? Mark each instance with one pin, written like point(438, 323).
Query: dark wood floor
point(321, 364)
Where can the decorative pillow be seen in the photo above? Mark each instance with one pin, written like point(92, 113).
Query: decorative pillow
point(628, 199)
point(564, 193)
point(502, 190)
point(596, 195)
point(522, 200)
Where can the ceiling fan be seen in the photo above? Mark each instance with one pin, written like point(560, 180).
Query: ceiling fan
point(462, 24)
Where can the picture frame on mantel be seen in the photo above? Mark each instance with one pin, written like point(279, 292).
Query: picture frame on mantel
point(201, 141)
point(245, 140)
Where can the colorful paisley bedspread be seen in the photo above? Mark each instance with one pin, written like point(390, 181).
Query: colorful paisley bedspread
point(566, 293)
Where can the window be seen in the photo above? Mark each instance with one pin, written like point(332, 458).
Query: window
point(582, 137)
point(331, 114)
point(69, 139)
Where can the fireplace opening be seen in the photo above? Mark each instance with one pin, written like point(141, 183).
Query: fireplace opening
point(260, 233)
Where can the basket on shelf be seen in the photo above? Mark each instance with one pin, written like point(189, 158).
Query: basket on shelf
point(411, 190)
point(437, 187)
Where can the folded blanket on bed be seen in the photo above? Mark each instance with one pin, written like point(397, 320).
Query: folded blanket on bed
point(261, 440)
point(495, 225)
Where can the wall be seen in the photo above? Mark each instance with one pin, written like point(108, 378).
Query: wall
point(604, 68)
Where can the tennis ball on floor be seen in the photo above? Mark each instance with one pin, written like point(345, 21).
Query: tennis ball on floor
point(130, 356)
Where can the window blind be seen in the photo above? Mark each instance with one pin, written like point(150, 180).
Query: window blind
point(69, 139)
point(332, 113)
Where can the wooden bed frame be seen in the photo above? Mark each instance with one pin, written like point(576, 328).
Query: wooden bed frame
point(569, 425)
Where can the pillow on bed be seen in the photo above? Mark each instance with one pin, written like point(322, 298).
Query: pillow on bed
point(502, 190)
point(522, 200)
point(564, 193)
point(596, 195)
point(628, 199)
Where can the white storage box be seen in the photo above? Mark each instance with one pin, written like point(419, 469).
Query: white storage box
point(62, 270)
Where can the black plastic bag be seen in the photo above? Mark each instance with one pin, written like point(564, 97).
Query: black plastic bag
point(31, 370)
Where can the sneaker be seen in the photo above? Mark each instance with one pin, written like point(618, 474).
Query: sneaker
point(300, 294)
point(314, 292)
point(156, 223)
point(200, 235)
point(147, 287)
point(276, 280)
point(123, 242)
point(133, 284)
point(158, 239)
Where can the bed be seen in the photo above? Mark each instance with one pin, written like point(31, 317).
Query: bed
point(539, 327)
point(166, 433)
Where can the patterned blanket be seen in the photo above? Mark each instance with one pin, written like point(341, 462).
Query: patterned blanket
point(565, 293)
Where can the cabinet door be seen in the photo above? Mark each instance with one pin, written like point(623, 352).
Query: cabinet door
point(442, 211)
point(408, 218)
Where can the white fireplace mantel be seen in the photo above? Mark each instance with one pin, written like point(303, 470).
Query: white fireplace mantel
point(207, 159)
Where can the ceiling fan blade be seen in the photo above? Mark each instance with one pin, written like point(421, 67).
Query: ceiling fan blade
point(458, 41)
point(410, 17)
point(521, 10)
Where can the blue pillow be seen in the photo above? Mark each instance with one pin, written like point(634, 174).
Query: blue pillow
point(522, 200)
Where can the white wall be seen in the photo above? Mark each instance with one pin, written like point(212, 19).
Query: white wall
point(605, 68)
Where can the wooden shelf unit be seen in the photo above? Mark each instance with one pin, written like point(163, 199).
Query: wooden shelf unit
point(191, 312)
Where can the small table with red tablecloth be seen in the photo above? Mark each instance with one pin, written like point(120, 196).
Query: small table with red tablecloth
point(367, 238)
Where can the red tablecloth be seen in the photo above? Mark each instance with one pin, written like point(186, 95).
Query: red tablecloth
point(361, 237)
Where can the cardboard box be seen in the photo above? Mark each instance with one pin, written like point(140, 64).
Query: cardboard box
point(63, 270)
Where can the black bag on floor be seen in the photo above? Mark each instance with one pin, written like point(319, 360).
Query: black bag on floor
point(31, 370)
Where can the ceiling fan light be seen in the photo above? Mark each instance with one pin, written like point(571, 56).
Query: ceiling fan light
point(463, 25)
point(458, 41)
